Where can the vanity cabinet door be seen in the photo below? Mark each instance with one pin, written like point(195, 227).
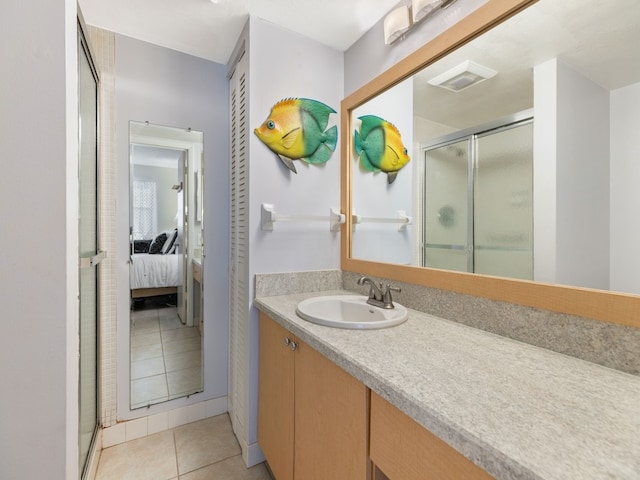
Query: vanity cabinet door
point(276, 398)
point(404, 450)
point(330, 420)
point(312, 415)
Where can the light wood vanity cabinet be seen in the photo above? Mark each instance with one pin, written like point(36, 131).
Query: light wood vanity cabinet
point(404, 450)
point(312, 415)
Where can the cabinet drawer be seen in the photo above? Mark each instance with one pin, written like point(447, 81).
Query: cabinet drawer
point(405, 450)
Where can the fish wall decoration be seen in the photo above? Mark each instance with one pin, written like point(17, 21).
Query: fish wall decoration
point(379, 146)
point(295, 130)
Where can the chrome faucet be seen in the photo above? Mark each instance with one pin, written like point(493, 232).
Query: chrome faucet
point(377, 297)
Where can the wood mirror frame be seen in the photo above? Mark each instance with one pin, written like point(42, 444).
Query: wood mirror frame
point(619, 308)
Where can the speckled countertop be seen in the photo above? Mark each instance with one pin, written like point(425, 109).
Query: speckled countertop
point(517, 410)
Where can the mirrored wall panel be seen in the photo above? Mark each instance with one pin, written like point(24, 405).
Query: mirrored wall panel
point(521, 147)
point(166, 263)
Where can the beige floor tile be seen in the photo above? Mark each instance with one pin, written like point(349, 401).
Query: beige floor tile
point(149, 390)
point(202, 443)
point(143, 352)
point(180, 333)
point(170, 322)
point(149, 458)
point(139, 325)
point(150, 338)
point(147, 368)
point(180, 361)
point(183, 382)
point(229, 469)
point(168, 311)
point(142, 314)
point(172, 347)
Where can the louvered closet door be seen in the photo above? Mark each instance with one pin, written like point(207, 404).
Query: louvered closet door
point(239, 261)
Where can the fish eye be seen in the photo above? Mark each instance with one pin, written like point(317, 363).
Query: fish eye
point(271, 125)
point(406, 151)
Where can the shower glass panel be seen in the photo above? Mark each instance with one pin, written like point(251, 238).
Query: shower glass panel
point(503, 203)
point(446, 225)
point(88, 244)
point(478, 201)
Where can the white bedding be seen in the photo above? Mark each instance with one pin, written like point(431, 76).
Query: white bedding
point(153, 271)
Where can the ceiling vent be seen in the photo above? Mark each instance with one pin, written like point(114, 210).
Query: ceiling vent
point(462, 76)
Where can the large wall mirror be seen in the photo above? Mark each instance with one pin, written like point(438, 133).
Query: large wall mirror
point(166, 244)
point(520, 123)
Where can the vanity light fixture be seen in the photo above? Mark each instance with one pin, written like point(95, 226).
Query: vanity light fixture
point(462, 76)
point(421, 9)
point(402, 19)
point(396, 23)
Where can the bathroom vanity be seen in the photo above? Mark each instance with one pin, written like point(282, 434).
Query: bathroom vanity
point(308, 402)
point(432, 395)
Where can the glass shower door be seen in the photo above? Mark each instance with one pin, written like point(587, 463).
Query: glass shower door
point(503, 202)
point(446, 209)
point(88, 252)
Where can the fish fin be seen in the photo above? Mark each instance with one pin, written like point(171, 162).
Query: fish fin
point(368, 123)
point(331, 138)
point(391, 176)
point(357, 142)
point(392, 127)
point(283, 104)
point(290, 137)
point(321, 155)
point(287, 163)
point(366, 163)
point(318, 110)
point(373, 145)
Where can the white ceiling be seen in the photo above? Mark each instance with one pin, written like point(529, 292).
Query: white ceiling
point(600, 39)
point(210, 28)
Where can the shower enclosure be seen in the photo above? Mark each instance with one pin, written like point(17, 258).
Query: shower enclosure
point(478, 201)
point(89, 255)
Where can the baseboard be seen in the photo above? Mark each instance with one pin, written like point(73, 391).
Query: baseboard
point(145, 426)
point(252, 455)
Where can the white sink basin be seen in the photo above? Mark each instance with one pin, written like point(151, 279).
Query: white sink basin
point(349, 311)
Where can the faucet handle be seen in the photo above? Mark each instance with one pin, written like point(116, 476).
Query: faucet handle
point(386, 296)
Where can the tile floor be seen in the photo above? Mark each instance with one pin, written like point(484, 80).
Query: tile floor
point(166, 356)
point(202, 450)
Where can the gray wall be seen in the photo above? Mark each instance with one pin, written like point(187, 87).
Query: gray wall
point(170, 88)
point(39, 244)
point(303, 68)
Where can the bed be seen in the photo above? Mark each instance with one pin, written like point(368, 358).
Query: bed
point(156, 270)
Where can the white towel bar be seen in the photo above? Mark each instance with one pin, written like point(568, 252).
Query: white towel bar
point(268, 217)
point(402, 220)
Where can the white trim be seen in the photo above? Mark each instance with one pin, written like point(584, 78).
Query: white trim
point(144, 426)
point(94, 457)
point(252, 454)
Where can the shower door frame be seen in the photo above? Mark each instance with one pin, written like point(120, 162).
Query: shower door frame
point(91, 262)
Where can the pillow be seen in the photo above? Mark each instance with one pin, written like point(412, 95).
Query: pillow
point(157, 244)
point(141, 246)
point(171, 240)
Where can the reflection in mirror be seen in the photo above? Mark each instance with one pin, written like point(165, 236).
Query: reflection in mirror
point(166, 240)
point(523, 174)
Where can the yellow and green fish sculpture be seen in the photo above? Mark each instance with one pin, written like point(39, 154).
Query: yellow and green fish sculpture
point(295, 129)
point(379, 146)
